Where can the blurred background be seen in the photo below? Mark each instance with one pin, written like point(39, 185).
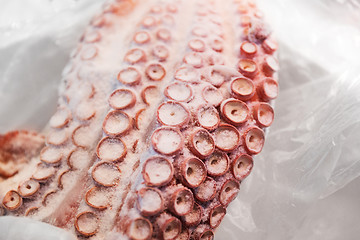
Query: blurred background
point(305, 183)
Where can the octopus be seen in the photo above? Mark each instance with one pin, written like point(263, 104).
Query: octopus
point(161, 109)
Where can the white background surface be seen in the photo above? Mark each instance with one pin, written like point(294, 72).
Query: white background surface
point(304, 184)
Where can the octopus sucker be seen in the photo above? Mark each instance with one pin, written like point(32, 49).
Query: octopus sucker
point(161, 110)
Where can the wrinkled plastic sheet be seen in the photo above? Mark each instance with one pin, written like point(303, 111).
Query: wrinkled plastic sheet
point(304, 184)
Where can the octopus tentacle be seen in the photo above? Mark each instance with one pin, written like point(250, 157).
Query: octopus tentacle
point(16, 150)
point(155, 143)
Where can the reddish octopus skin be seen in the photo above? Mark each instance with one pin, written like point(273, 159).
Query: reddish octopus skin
point(152, 139)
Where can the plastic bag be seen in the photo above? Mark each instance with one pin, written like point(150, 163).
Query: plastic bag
point(304, 183)
point(15, 228)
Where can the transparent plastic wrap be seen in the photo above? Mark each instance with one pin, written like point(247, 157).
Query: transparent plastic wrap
point(303, 184)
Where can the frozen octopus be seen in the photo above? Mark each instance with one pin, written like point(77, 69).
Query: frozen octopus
point(161, 109)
